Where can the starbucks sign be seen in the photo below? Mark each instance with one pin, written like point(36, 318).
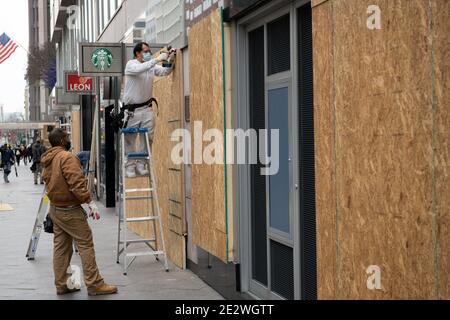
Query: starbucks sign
point(102, 59)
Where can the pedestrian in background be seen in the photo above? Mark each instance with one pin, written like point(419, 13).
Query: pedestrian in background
point(8, 158)
point(30, 153)
point(38, 150)
point(18, 153)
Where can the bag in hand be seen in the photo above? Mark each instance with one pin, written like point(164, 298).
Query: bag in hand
point(33, 167)
point(48, 225)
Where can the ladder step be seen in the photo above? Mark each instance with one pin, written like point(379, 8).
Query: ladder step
point(138, 198)
point(142, 219)
point(137, 156)
point(147, 253)
point(139, 190)
point(138, 241)
point(134, 130)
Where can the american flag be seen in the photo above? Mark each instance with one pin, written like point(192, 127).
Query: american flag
point(7, 47)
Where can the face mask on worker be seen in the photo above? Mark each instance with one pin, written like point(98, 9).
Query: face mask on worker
point(147, 56)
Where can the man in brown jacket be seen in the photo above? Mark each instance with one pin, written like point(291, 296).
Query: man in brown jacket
point(66, 188)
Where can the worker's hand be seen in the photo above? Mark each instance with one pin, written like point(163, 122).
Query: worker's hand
point(172, 54)
point(94, 213)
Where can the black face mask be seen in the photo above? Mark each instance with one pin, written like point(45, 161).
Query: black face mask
point(68, 146)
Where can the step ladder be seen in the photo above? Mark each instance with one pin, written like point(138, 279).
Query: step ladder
point(43, 210)
point(38, 227)
point(153, 214)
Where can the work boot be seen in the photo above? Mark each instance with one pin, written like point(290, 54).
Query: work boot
point(66, 290)
point(131, 171)
point(140, 169)
point(102, 290)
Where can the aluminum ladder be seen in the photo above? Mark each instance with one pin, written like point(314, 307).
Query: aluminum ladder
point(126, 196)
point(38, 227)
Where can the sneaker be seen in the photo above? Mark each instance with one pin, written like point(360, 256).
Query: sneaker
point(66, 290)
point(131, 171)
point(140, 169)
point(102, 290)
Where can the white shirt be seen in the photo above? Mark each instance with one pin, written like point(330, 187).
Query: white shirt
point(139, 80)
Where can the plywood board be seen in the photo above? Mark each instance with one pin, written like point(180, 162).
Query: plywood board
point(383, 161)
point(387, 153)
point(76, 131)
point(207, 106)
point(325, 152)
point(441, 85)
point(168, 92)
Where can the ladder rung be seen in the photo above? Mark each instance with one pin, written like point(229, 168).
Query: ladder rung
point(138, 241)
point(134, 130)
point(148, 253)
point(137, 155)
point(138, 190)
point(142, 219)
point(138, 198)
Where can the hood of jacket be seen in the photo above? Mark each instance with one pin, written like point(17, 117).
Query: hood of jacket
point(47, 158)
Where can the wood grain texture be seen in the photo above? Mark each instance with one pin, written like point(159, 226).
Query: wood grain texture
point(76, 131)
point(206, 98)
point(168, 92)
point(391, 166)
point(324, 141)
point(441, 53)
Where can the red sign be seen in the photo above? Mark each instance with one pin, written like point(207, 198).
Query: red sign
point(76, 84)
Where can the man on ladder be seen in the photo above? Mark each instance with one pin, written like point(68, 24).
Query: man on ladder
point(138, 98)
point(136, 150)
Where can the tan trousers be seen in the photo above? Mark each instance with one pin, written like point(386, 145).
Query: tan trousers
point(68, 226)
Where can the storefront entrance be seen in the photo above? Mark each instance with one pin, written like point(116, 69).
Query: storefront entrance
point(277, 212)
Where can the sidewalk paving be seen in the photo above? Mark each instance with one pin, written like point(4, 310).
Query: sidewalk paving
point(33, 280)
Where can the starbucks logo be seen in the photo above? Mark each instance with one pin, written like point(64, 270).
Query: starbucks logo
point(102, 59)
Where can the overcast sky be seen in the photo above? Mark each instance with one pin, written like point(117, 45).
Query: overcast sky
point(14, 22)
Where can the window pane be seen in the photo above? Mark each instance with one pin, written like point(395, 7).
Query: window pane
point(278, 114)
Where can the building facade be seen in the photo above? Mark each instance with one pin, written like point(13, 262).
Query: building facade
point(39, 36)
point(359, 193)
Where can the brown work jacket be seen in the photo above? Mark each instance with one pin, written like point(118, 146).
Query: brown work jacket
point(64, 179)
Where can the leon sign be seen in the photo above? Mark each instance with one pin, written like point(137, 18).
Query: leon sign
point(77, 84)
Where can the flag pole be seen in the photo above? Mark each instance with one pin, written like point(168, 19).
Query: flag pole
point(20, 45)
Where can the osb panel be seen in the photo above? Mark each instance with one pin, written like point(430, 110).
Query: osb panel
point(206, 97)
point(229, 125)
point(76, 131)
point(169, 92)
point(441, 41)
point(324, 144)
point(384, 159)
point(139, 208)
point(175, 189)
point(315, 3)
point(169, 109)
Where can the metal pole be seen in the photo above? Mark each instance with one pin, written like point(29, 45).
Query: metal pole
point(97, 138)
point(117, 110)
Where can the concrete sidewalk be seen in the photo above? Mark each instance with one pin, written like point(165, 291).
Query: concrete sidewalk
point(24, 280)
